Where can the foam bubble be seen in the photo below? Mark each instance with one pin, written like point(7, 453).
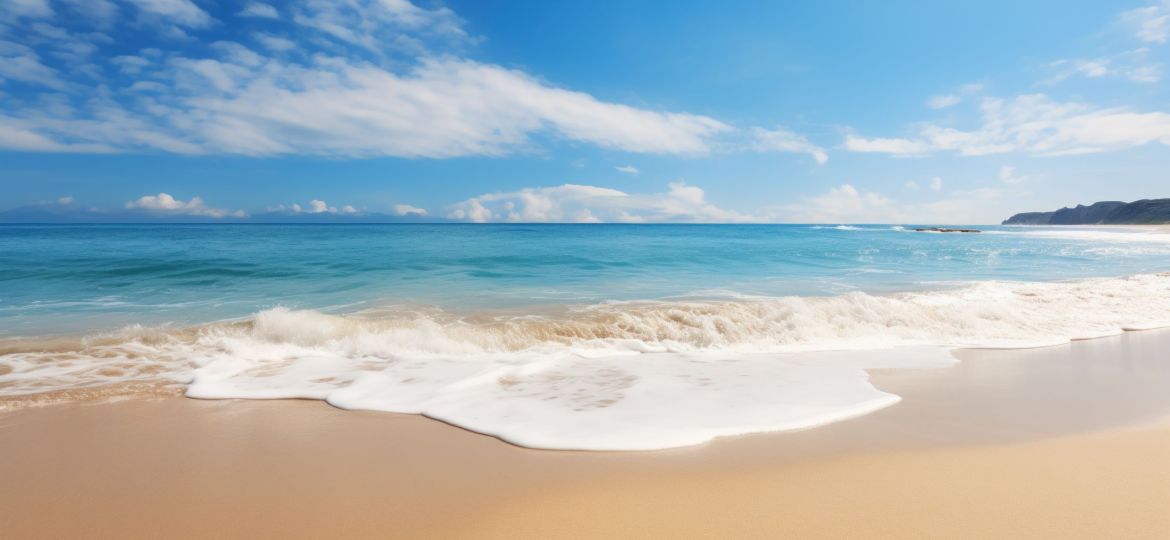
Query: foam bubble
point(611, 376)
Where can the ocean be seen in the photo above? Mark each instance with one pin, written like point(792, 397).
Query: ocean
point(599, 337)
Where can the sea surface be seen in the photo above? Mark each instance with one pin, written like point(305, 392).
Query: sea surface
point(605, 337)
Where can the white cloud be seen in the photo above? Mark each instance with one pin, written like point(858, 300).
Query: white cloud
point(258, 9)
point(1150, 24)
point(165, 203)
point(66, 200)
point(315, 206)
point(29, 8)
point(1134, 66)
point(1032, 124)
point(441, 108)
point(23, 64)
point(782, 140)
point(896, 146)
point(591, 204)
point(943, 101)
point(628, 169)
point(372, 78)
point(847, 204)
point(181, 12)
point(936, 184)
point(408, 210)
point(1007, 175)
point(275, 43)
point(911, 185)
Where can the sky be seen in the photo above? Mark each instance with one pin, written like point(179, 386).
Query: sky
point(582, 111)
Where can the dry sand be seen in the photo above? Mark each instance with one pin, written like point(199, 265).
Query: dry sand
point(1058, 442)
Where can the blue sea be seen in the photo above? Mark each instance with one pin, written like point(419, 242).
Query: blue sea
point(66, 279)
point(553, 336)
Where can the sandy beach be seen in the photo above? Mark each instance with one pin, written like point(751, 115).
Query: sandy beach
point(1063, 441)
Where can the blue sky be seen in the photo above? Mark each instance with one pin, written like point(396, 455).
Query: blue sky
point(898, 111)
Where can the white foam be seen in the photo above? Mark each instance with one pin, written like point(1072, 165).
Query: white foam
point(1153, 235)
point(613, 376)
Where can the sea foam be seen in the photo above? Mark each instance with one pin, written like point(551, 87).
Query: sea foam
point(612, 376)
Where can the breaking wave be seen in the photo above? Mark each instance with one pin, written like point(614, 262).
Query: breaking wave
point(612, 376)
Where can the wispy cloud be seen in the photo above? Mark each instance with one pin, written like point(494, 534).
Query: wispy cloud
point(1033, 124)
point(259, 9)
point(628, 169)
point(783, 140)
point(572, 203)
point(1150, 24)
point(362, 78)
point(943, 101)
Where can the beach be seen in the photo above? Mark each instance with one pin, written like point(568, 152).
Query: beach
point(1067, 441)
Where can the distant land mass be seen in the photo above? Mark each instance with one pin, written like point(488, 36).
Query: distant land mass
point(1143, 212)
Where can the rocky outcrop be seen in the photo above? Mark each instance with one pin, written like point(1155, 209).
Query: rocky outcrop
point(1143, 212)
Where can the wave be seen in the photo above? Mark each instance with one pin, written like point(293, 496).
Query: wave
point(612, 376)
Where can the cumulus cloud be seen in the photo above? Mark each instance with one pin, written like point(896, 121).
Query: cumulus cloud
point(1033, 124)
point(572, 203)
point(628, 169)
point(782, 140)
point(408, 210)
point(64, 201)
point(164, 203)
point(315, 206)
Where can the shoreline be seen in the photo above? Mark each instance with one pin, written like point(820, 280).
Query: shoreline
point(191, 468)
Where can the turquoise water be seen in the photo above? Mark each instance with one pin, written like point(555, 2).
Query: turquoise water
point(594, 337)
point(67, 279)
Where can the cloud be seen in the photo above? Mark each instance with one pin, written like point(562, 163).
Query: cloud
point(29, 8)
point(181, 12)
point(782, 140)
point(21, 63)
point(1150, 24)
point(943, 101)
point(258, 9)
point(315, 206)
point(572, 203)
point(408, 210)
point(165, 203)
point(1033, 124)
point(369, 78)
point(936, 184)
point(628, 169)
point(848, 204)
point(66, 200)
point(1134, 66)
point(1007, 175)
point(275, 43)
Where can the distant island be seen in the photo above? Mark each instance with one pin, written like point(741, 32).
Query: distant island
point(1143, 212)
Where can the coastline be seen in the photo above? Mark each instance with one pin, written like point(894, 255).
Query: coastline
point(1064, 441)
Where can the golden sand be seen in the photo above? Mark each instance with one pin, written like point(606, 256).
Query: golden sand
point(1006, 444)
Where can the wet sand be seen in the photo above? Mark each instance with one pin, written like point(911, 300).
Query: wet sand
point(1065, 441)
